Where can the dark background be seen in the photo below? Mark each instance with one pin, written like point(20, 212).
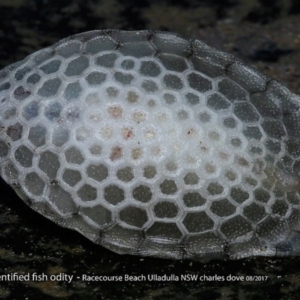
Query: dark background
point(262, 32)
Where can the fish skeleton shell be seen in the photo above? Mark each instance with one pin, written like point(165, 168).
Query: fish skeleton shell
point(152, 144)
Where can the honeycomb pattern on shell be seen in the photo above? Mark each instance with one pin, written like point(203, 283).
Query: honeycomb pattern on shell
point(152, 144)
